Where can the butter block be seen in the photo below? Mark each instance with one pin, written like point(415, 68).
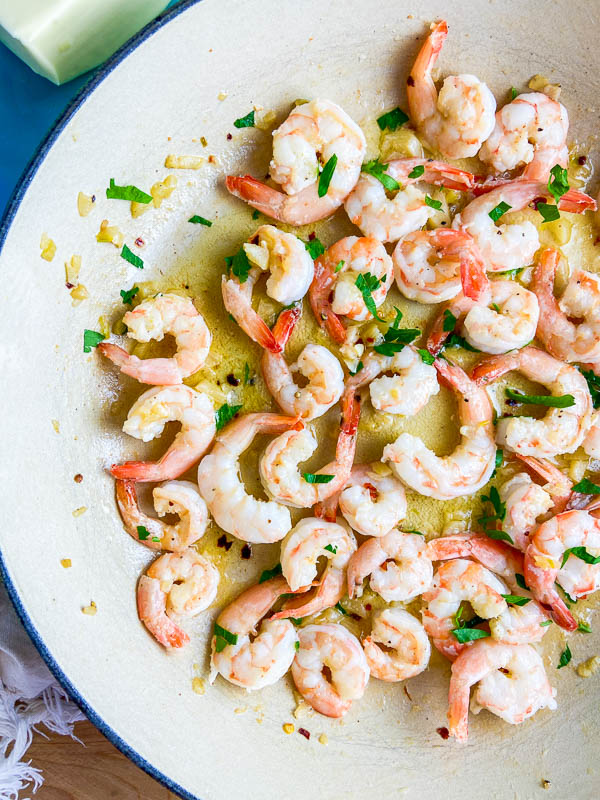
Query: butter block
point(60, 39)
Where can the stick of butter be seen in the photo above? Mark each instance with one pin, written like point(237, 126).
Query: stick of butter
point(63, 38)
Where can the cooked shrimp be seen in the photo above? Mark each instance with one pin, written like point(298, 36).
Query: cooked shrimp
point(511, 245)
point(152, 319)
point(146, 420)
point(279, 463)
point(407, 649)
point(369, 207)
point(335, 648)
point(561, 430)
point(518, 624)
point(530, 131)
point(471, 464)
point(525, 501)
point(220, 484)
point(313, 133)
point(455, 582)
point(321, 369)
point(372, 503)
point(334, 292)
point(432, 266)
point(591, 443)
point(544, 556)
point(175, 585)
point(264, 659)
point(397, 564)
point(504, 318)
point(172, 497)
point(563, 338)
point(291, 270)
point(512, 684)
point(409, 387)
point(458, 120)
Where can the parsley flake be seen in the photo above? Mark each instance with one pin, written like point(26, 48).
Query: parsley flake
point(579, 552)
point(593, 382)
point(583, 627)
point(131, 193)
point(142, 533)
point(91, 339)
point(128, 295)
point(367, 284)
point(516, 599)
point(585, 486)
point(548, 212)
point(224, 414)
point(449, 321)
point(417, 171)
point(429, 201)
point(332, 548)
point(378, 170)
point(223, 637)
point(315, 248)
point(311, 477)
point(245, 122)
point(341, 609)
point(131, 257)
point(558, 182)
point(267, 574)
point(197, 220)
point(326, 176)
point(565, 657)
point(339, 266)
point(426, 356)
point(359, 366)
point(392, 119)
point(553, 401)
point(499, 210)
point(469, 634)
point(239, 265)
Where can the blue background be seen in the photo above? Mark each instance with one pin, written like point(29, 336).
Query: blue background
point(29, 106)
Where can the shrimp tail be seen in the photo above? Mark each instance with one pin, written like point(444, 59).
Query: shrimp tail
point(258, 195)
point(545, 594)
point(425, 104)
point(559, 485)
point(577, 202)
point(327, 509)
point(328, 592)
point(319, 292)
point(246, 317)
point(475, 282)
point(492, 368)
point(154, 371)
point(286, 321)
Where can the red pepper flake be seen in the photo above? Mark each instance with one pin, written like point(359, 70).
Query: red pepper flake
point(229, 137)
point(246, 551)
point(537, 200)
point(410, 698)
point(78, 478)
point(596, 241)
point(69, 285)
point(443, 732)
point(222, 542)
point(304, 732)
point(581, 160)
point(410, 80)
point(312, 236)
point(139, 241)
point(372, 491)
point(368, 606)
point(232, 380)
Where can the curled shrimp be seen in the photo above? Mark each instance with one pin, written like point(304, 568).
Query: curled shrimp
point(388, 219)
point(591, 443)
point(308, 541)
point(406, 385)
point(397, 564)
point(455, 582)
point(172, 497)
point(458, 120)
point(530, 132)
point(370, 502)
point(262, 660)
point(433, 266)
point(335, 648)
point(563, 338)
point(152, 319)
point(321, 369)
point(146, 420)
point(503, 318)
point(175, 585)
point(334, 293)
point(512, 683)
point(518, 624)
point(407, 649)
point(312, 134)
point(511, 245)
point(525, 501)
point(470, 465)
point(544, 558)
point(291, 270)
point(279, 463)
point(561, 430)
point(237, 512)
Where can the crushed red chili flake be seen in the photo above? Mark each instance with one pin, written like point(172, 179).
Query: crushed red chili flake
point(537, 200)
point(69, 285)
point(443, 732)
point(581, 160)
point(312, 236)
point(246, 551)
point(232, 380)
point(410, 80)
point(139, 241)
point(304, 732)
point(372, 491)
point(596, 240)
point(406, 692)
point(222, 542)
point(78, 478)
point(229, 137)
point(368, 606)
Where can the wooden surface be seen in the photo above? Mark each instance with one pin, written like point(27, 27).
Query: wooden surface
point(97, 771)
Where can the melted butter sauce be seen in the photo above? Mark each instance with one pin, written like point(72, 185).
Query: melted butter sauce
point(197, 273)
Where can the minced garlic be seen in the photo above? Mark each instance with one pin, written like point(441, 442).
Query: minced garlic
point(79, 511)
point(90, 610)
point(56, 425)
point(65, 562)
point(79, 293)
point(183, 162)
point(72, 268)
point(323, 739)
point(198, 685)
point(163, 189)
point(85, 203)
point(110, 233)
point(47, 247)
point(288, 727)
point(222, 96)
point(589, 667)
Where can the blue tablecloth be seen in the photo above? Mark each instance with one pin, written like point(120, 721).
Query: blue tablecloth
point(29, 106)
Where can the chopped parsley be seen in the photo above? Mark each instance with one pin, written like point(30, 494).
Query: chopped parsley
point(91, 339)
point(464, 630)
point(315, 248)
point(593, 382)
point(516, 599)
point(392, 119)
point(429, 201)
point(488, 521)
point(454, 340)
point(583, 627)
point(499, 460)
point(128, 295)
point(521, 581)
point(224, 414)
point(545, 623)
point(359, 366)
point(341, 609)
point(378, 170)
point(579, 552)
point(469, 634)
point(496, 308)
point(197, 220)
point(142, 533)
point(513, 93)
point(449, 321)
point(239, 265)
point(548, 212)
point(417, 171)
point(395, 338)
point(585, 486)
point(131, 193)
point(558, 182)
point(311, 477)
point(267, 574)
point(246, 373)
point(426, 356)
point(367, 284)
point(339, 266)
point(499, 210)
point(297, 645)
point(511, 273)
point(245, 122)
point(565, 657)
point(223, 637)
point(131, 257)
point(560, 401)
point(332, 548)
point(255, 214)
point(326, 176)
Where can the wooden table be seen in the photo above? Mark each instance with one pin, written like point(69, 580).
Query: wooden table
point(97, 771)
